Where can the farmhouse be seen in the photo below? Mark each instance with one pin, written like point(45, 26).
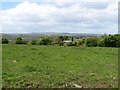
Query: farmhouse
point(67, 41)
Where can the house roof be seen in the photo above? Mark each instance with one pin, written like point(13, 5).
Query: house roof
point(67, 41)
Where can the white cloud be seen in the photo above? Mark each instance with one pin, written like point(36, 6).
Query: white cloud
point(61, 16)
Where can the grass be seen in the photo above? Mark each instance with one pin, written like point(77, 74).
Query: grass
point(30, 66)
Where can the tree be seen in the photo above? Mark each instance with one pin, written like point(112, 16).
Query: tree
point(92, 42)
point(65, 37)
point(101, 43)
point(72, 39)
point(117, 38)
point(33, 42)
point(112, 41)
point(45, 41)
point(60, 40)
point(5, 41)
point(20, 41)
point(80, 42)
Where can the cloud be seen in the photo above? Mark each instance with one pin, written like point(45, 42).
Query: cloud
point(61, 16)
point(59, 1)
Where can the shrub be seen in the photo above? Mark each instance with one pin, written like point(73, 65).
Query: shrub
point(101, 43)
point(5, 41)
point(112, 41)
point(45, 41)
point(20, 41)
point(33, 42)
point(91, 42)
point(80, 42)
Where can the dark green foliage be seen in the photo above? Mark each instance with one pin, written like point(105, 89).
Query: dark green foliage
point(45, 41)
point(65, 37)
point(80, 42)
point(116, 40)
point(33, 42)
point(104, 41)
point(20, 41)
point(60, 40)
point(5, 41)
point(111, 41)
point(101, 43)
point(24, 42)
point(92, 42)
point(72, 39)
point(61, 43)
point(108, 42)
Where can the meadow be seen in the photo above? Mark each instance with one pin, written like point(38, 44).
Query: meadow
point(37, 66)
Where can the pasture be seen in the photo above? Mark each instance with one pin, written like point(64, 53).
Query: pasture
point(36, 66)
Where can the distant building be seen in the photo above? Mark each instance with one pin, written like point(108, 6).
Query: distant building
point(67, 41)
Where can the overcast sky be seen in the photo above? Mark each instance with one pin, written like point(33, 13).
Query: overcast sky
point(71, 16)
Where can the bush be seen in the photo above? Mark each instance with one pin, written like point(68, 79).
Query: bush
point(33, 42)
point(92, 42)
point(24, 42)
point(101, 43)
point(61, 43)
point(112, 41)
point(80, 42)
point(45, 41)
point(5, 41)
point(20, 41)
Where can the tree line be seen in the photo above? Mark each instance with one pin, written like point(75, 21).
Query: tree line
point(102, 41)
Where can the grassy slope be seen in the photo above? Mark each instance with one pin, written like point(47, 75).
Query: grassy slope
point(54, 66)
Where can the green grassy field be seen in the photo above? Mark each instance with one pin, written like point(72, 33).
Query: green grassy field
point(56, 67)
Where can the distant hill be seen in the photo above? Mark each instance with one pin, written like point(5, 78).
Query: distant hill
point(30, 36)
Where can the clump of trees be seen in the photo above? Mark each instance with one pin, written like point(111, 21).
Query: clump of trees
point(19, 40)
point(112, 41)
point(91, 42)
point(5, 41)
point(60, 40)
point(45, 41)
point(80, 42)
point(102, 41)
point(34, 42)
